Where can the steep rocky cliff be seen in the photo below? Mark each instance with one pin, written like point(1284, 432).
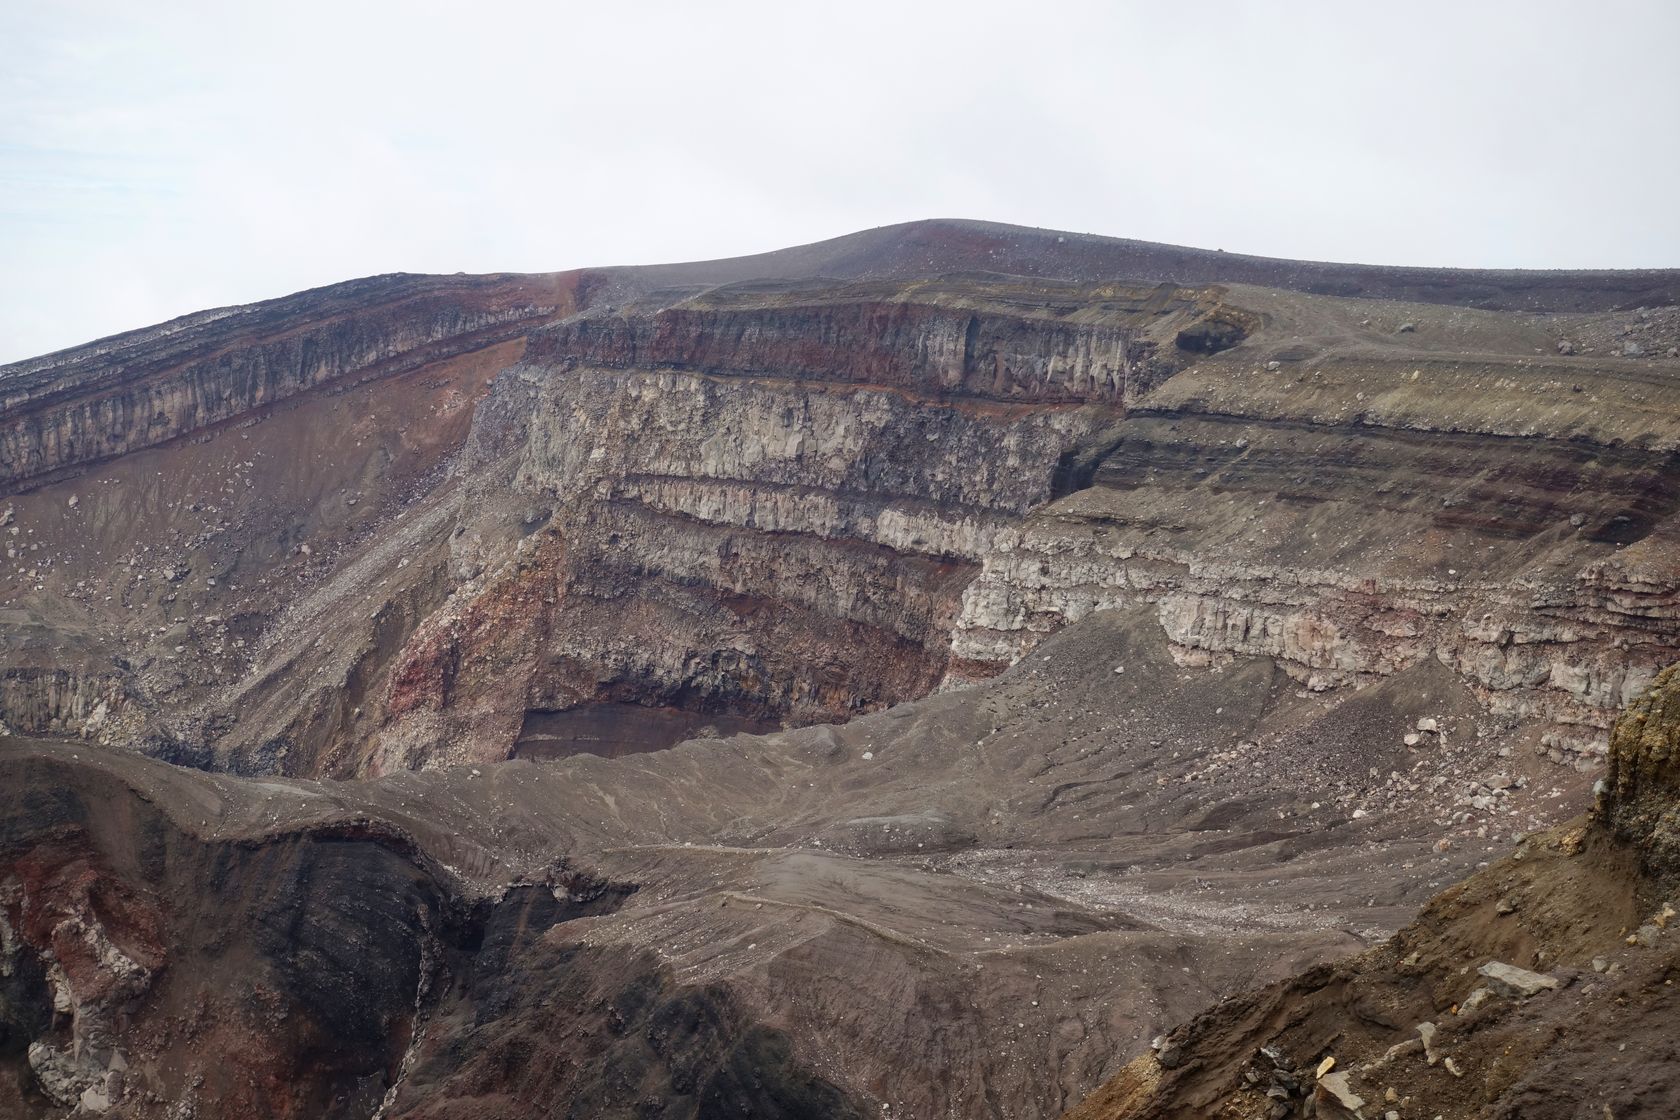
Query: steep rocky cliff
point(932, 663)
point(149, 386)
point(1351, 501)
point(795, 499)
point(776, 502)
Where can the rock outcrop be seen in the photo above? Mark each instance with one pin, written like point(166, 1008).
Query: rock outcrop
point(1640, 796)
point(777, 502)
point(149, 386)
point(789, 500)
point(1351, 510)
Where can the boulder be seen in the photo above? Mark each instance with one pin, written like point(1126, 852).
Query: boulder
point(1519, 983)
point(1336, 1098)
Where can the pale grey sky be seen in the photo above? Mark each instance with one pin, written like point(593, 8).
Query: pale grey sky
point(160, 157)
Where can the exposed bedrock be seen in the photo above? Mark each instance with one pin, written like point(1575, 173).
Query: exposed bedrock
point(796, 503)
point(797, 500)
point(48, 701)
point(920, 347)
point(332, 968)
point(274, 980)
point(768, 509)
point(1640, 796)
point(1525, 539)
point(138, 588)
point(142, 388)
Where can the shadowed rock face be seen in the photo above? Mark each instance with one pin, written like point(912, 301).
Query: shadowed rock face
point(275, 979)
point(1641, 798)
point(1125, 625)
point(300, 973)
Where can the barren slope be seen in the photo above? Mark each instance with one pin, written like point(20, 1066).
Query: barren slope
point(1065, 633)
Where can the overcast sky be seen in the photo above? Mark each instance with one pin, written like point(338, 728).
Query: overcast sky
point(161, 157)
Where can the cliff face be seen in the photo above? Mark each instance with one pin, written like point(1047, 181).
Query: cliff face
point(1154, 630)
point(891, 342)
point(798, 500)
point(146, 387)
point(799, 504)
point(1351, 507)
point(1640, 799)
point(168, 488)
point(763, 504)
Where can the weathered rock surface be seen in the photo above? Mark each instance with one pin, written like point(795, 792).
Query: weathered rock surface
point(1180, 620)
point(1362, 510)
point(143, 388)
point(778, 505)
point(1510, 980)
point(1641, 792)
point(795, 499)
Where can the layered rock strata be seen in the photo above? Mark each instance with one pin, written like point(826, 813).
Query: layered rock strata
point(763, 502)
point(797, 499)
point(1351, 510)
point(146, 387)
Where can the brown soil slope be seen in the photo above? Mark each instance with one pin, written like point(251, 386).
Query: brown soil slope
point(1587, 909)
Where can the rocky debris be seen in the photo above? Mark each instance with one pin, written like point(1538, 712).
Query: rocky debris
point(1475, 999)
point(1334, 1097)
point(1426, 1034)
point(1169, 1055)
point(1518, 983)
point(60, 1077)
point(1524, 1033)
point(1274, 1077)
point(740, 894)
point(1645, 936)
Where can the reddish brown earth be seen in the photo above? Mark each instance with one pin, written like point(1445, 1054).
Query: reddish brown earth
point(899, 676)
